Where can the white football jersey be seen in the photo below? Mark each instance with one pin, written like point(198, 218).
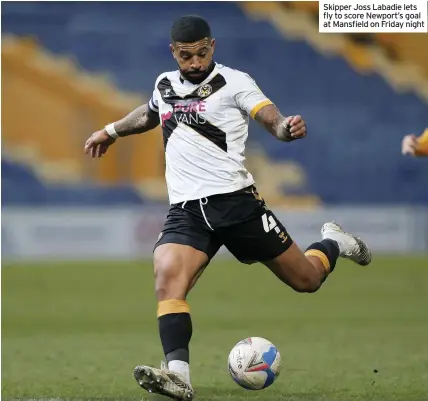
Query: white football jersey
point(205, 127)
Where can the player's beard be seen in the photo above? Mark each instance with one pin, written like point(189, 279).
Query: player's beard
point(199, 78)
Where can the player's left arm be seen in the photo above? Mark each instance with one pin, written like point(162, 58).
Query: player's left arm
point(254, 102)
point(283, 128)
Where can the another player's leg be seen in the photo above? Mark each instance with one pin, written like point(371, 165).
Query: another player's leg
point(177, 268)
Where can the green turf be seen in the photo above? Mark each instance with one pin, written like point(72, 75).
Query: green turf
point(75, 331)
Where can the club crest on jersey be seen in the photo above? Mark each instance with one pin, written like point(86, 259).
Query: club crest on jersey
point(205, 90)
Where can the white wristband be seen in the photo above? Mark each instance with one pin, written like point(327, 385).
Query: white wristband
point(111, 131)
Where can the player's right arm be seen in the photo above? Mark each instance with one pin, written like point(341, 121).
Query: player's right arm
point(138, 121)
point(144, 118)
point(141, 120)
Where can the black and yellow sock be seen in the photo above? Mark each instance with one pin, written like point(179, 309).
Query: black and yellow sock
point(175, 329)
point(327, 251)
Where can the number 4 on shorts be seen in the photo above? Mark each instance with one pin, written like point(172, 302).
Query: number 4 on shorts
point(268, 224)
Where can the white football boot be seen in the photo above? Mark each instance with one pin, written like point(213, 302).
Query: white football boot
point(164, 382)
point(350, 246)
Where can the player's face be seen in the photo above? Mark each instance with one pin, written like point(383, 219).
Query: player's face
point(194, 59)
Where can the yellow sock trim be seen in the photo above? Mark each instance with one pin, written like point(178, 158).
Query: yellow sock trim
point(321, 256)
point(172, 306)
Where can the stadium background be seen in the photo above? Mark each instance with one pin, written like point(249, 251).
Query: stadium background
point(77, 233)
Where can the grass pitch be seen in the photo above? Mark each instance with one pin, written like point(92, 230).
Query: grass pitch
point(75, 331)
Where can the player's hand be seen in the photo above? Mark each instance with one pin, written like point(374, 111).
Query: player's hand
point(297, 127)
point(409, 144)
point(98, 143)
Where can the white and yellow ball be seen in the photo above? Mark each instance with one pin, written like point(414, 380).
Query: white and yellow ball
point(254, 363)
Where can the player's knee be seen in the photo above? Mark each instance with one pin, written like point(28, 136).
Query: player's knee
point(307, 282)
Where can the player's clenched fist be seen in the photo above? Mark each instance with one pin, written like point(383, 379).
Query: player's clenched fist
point(98, 143)
point(297, 126)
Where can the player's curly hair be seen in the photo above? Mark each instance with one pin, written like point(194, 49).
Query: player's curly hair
point(190, 28)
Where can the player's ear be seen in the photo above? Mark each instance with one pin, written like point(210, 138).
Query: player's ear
point(213, 44)
point(171, 47)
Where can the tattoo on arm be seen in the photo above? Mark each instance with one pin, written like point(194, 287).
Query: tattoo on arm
point(142, 119)
point(274, 122)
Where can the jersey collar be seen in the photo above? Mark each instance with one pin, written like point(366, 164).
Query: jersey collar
point(213, 73)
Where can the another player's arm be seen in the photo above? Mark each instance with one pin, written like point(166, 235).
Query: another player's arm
point(138, 121)
point(283, 128)
point(416, 146)
point(422, 149)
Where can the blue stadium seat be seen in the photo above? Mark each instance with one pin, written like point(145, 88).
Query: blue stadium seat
point(92, 196)
point(20, 186)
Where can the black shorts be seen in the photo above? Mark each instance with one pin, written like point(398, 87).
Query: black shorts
point(240, 221)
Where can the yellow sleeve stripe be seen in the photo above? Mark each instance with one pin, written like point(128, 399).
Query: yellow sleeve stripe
point(256, 108)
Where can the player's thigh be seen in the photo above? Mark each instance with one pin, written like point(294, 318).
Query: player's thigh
point(259, 239)
point(267, 241)
point(184, 249)
point(292, 267)
point(177, 268)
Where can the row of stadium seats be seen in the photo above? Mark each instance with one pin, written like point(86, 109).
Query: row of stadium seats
point(22, 187)
point(364, 125)
point(355, 121)
point(64, 105)
point(407, 47)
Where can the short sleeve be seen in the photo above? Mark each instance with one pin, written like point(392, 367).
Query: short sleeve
point(153, 103)
point(249, 97)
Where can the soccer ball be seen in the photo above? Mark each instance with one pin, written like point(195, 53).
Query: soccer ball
point(254, 363)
